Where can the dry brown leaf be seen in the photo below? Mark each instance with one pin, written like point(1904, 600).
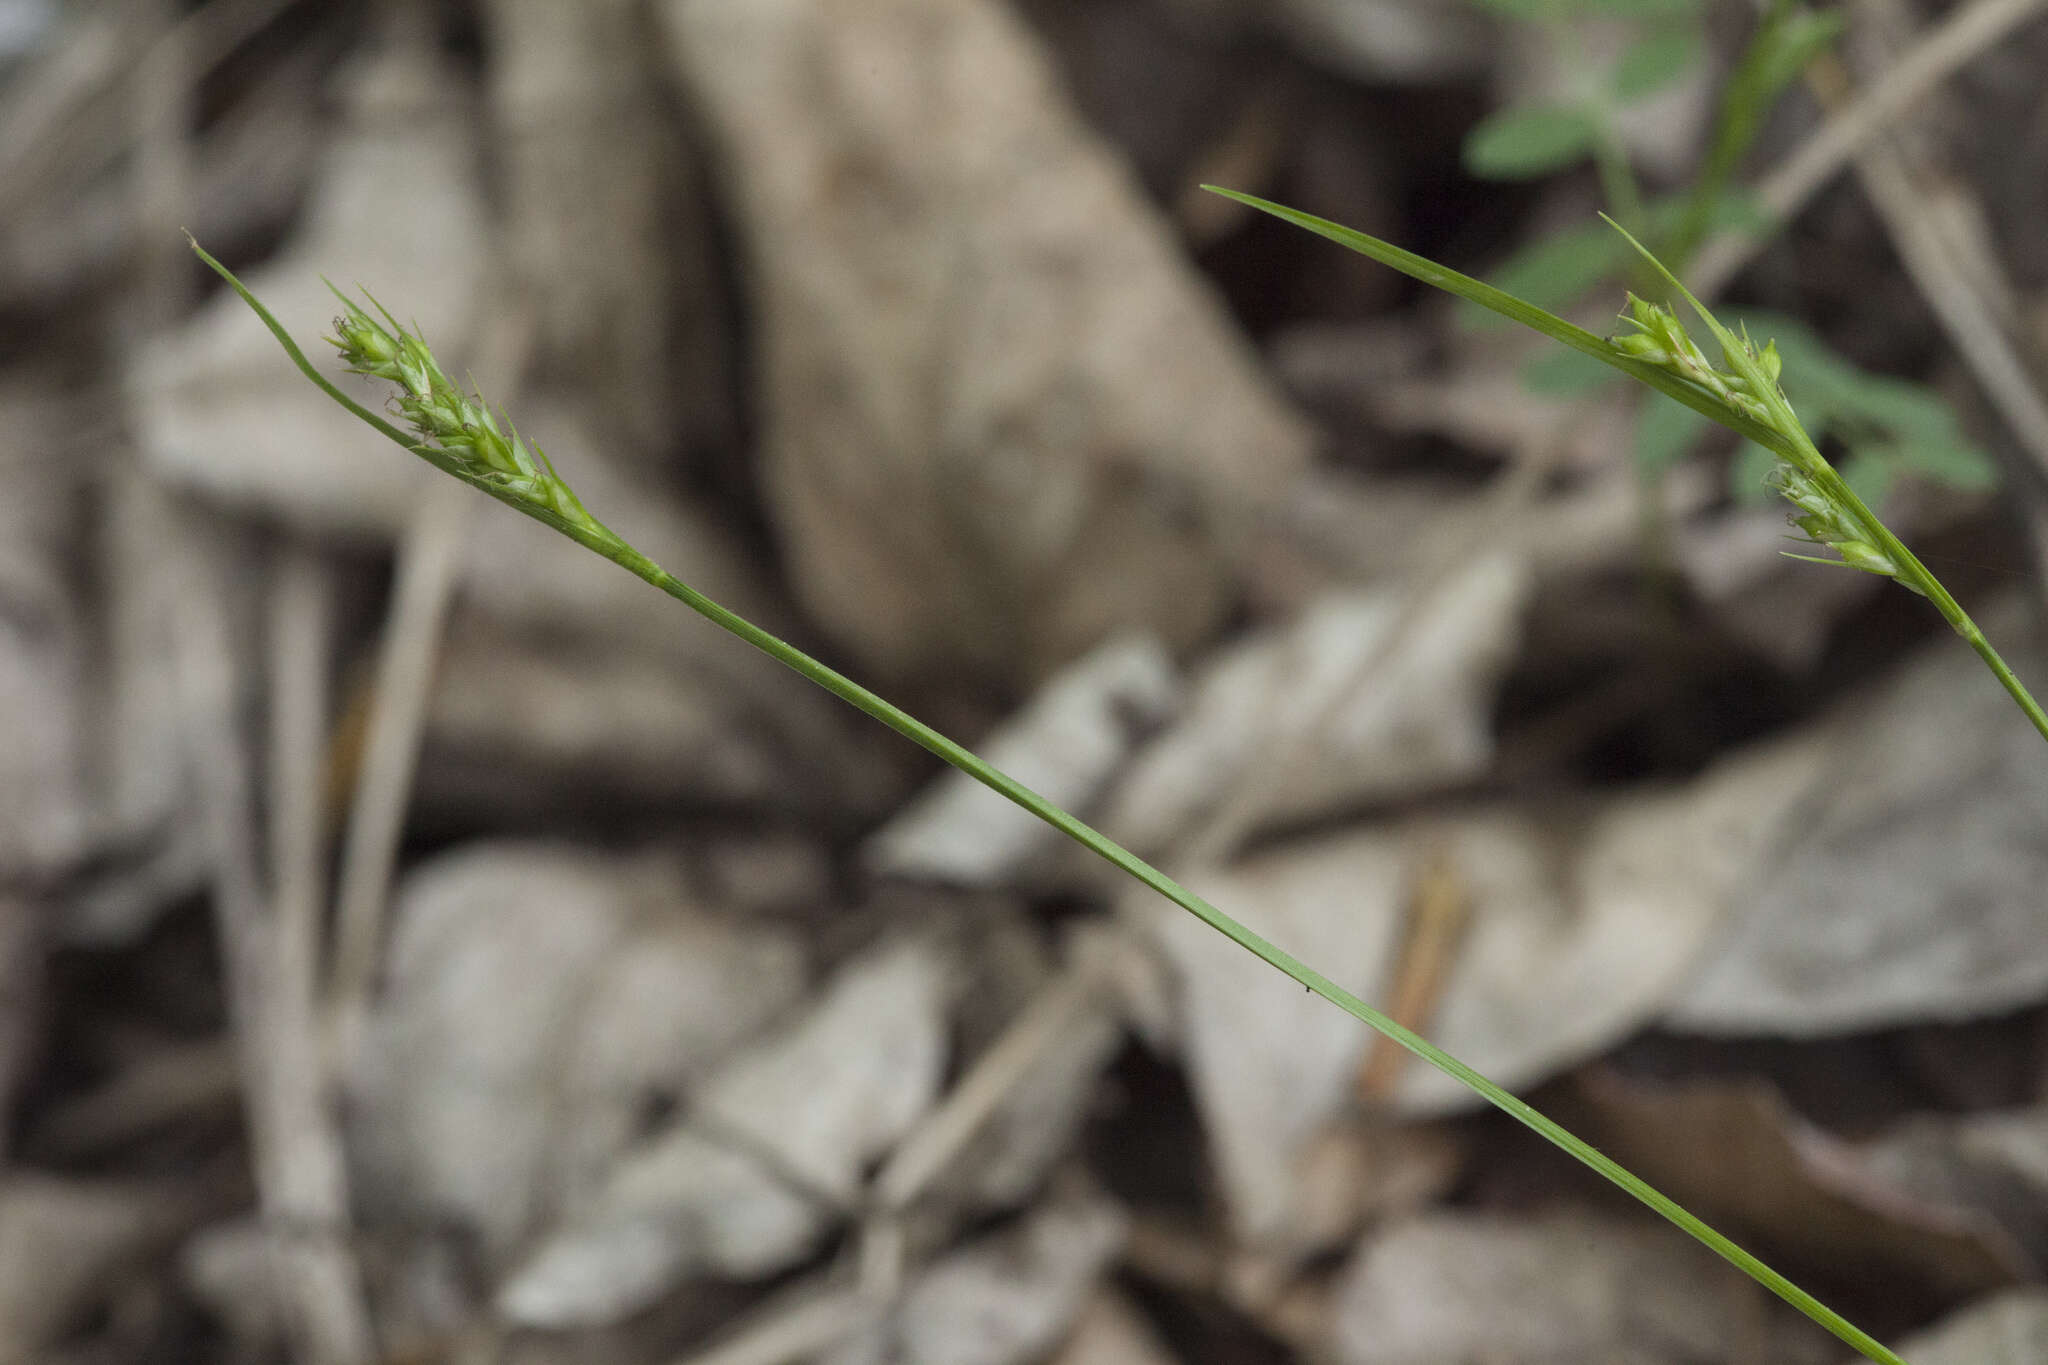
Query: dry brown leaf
point(1005, 1299)
point(771, 1152)
point(1356, 708)
point(1002, 418)
point(540, 1001)
point(44, 660)
point(1582, 925)
point(64, 1241)
point(1557, 1289)
point(1737, 1156)
point(2006, 1329)
point(1111, 1331)
point(607, 227)
point(1906, 884)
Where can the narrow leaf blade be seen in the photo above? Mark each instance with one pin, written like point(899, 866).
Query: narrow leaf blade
point(1515, 310)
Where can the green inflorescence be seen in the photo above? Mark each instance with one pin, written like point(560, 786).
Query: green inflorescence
point(1819, 508)
point(448, 419)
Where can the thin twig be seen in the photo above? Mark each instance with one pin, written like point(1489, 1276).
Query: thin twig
point(427, 561)
point(318, 1285)
point(310, 1154)
point(1946, 270)
point(1950, 45)
point(1439, 907)
point(1056, 1008)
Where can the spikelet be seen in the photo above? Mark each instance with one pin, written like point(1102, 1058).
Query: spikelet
point(446, 417)
point(1660, 339)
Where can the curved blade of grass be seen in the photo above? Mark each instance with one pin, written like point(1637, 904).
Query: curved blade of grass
point(1516, 310)
point(597, 537)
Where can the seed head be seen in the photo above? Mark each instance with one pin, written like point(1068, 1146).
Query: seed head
point(1661, 340)
point(1828, 522)
point(446, 417)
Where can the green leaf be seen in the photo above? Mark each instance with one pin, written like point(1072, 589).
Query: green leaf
point(1524, 143)
point(1654, 62)
point(1666, 434)
point(1789, 42)
point(1955, 464)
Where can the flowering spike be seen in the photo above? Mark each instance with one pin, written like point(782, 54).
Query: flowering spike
point(447, 417)
point(1663, 341)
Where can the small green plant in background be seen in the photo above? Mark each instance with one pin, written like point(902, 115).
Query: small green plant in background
point(1523, 142)
point(1885, 427)
point(457, 433)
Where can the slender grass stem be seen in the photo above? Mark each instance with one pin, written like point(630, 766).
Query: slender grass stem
point(1921, 579)
point(586, 530)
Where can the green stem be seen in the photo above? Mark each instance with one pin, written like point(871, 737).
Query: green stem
point(1102, 846)
point(602, 540)
point(1920, 578)
point(1095, 842)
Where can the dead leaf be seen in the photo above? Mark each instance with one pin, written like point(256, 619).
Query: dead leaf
point(1582, 925)
point(539, 1001)
point(607, 225)
point(1354, 710)
point(64, 1241)
point(684, 1205)
point(1005, 1299)
point(1556, 1289)
point(2006, 1329)
point(1992, 1167)
point(44, 657)
point(1002, 418)
point(1111, 1331)
point(1906, 884)
point(771, 1152)
point(1735, 1154)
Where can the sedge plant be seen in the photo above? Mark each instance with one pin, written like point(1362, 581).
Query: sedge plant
point(456, 432)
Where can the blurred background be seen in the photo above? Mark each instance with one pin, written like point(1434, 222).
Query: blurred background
point(422, 942)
